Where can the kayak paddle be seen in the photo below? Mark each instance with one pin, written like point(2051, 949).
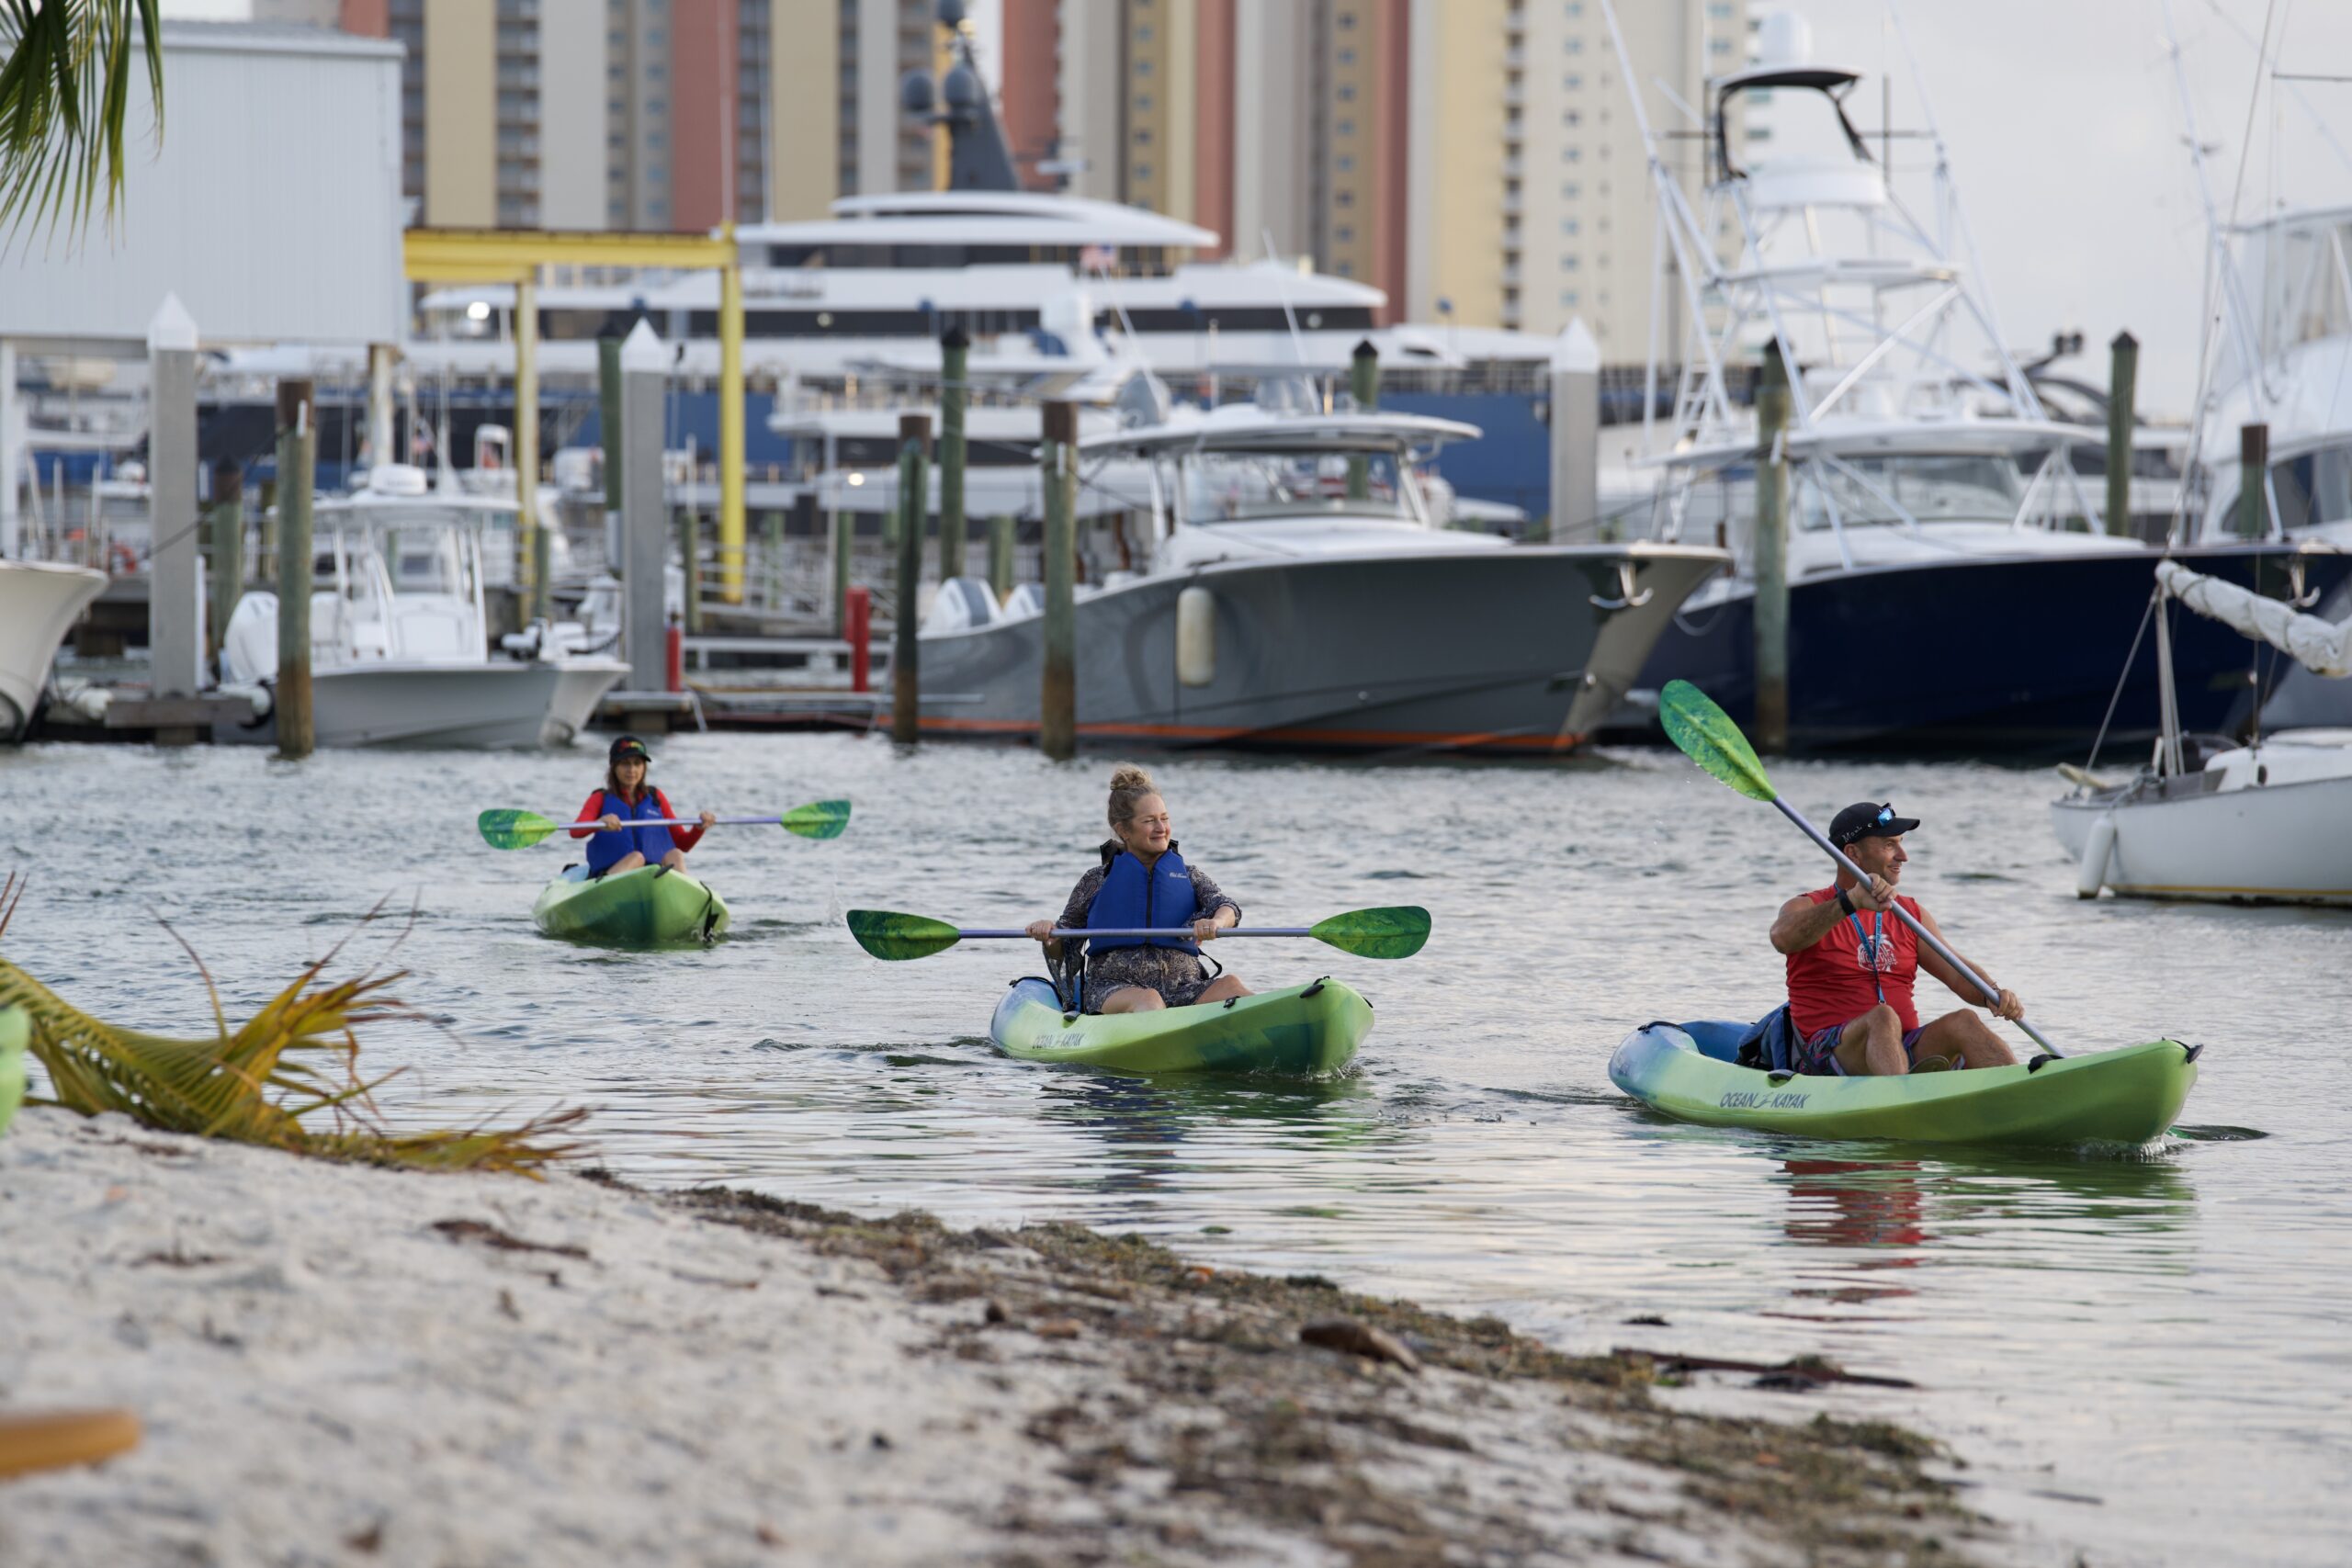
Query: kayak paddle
point(1368, 933)
point(510, 830)
point(1708, 737)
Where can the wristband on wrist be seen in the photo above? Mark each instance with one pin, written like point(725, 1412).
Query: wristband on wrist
point(1843, 902)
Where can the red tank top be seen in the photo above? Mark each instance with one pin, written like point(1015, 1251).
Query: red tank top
point(1847, 973)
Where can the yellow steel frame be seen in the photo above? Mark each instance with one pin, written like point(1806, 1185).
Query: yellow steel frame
point(515, 257)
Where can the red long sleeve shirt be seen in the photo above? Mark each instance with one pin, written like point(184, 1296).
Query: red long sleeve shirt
point(593, 811)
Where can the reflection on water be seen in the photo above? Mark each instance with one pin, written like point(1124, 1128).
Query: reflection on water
point(2161, 1334)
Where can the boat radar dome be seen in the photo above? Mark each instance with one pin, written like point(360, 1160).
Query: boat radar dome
point(1784, 40)
point(396, 479)
point(914, 92)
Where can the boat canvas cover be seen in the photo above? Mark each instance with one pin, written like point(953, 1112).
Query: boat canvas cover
point(2320, 645)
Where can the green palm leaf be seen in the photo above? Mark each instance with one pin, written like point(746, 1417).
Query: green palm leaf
point(64, 96)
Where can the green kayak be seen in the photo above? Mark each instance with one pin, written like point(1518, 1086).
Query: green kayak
point(1304, 1032)
point(2124, 1097)
point(645, 908)
point(14, 1030)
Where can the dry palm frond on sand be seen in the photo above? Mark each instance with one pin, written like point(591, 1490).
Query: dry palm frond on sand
point(288, 1078)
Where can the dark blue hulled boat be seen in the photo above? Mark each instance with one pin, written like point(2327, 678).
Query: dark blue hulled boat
point(2019, 654)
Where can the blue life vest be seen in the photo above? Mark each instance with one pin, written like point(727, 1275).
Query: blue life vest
point(1131, 897)
point(605, 849)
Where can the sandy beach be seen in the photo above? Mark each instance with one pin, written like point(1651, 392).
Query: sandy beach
point(341, 1364)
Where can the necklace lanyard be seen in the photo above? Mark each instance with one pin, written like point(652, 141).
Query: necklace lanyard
point(1867, 946)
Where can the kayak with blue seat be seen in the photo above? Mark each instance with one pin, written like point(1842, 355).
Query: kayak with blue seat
point(649, 907)
point(1691, 1072)
point(1304, 1031)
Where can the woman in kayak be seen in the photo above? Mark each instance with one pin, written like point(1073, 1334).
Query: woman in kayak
point(1144, 883)
point(614, 846)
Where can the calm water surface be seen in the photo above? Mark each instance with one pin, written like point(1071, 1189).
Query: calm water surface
point(2144, 1360)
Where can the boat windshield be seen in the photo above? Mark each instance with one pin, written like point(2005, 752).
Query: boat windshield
point(1865, 490)
point(1233, 486)
point(2313, 487)
point(424, 559)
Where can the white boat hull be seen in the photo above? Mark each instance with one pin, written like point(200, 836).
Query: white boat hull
point(580, 684)
point(38, 602)
point(477, 707)
point(2274, 843)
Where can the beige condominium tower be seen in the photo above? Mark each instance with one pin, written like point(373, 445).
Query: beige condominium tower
point(630, 114)
point(1477, 160)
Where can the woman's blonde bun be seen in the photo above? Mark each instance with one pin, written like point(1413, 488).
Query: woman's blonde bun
point(1126, 776)
point(1129, 785)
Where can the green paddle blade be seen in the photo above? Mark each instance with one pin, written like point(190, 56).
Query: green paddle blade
point(1397, 932)
point(893, 936)
point(505, 829)
point(1708, 737)
point(817, 819)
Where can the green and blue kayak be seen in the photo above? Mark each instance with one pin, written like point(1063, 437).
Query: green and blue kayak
point(645, 908)
point(2130, 1096)
point(16, 1033)
point(1304, 1031)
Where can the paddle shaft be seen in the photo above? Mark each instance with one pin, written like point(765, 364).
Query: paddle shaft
point(628, 822)
point(1947, 954)
point(1178, 933)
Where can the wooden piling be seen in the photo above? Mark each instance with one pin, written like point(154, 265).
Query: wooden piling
point(2253, 482)
point(1363, 385)
point(955, 348)
point(914, 503)
point(1057, 695)
point(845, 530)
point(225, 523)
point(1772, 556)
point(2122, 378)
point(298, 444)
point(1002, 538)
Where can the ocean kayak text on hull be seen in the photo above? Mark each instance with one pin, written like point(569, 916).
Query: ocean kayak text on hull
point(1305, 1032)
point(645, 908)
point(2131, 1096)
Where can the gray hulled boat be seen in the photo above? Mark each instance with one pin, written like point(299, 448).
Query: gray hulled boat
point(1297, 594)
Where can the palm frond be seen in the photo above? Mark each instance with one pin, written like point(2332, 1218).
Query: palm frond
point(287, 1077)
point(65, 97)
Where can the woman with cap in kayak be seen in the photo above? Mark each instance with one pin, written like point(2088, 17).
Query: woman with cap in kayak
point(1143, 882)
point(612, 845)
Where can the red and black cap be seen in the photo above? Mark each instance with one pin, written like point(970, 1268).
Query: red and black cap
point(1868, 819)
point(628, 748)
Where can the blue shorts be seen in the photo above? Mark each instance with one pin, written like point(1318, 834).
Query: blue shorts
point(1818, 1054)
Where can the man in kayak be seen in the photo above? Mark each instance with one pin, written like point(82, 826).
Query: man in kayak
point(1144, 883)
point(1851, 967)
point(612, 844)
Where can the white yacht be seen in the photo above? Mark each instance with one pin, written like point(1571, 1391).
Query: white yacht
point(398, 635)
point(1291, 590)
point(38, 602)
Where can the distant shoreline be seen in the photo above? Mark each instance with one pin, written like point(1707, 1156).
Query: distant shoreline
point(347, 1363)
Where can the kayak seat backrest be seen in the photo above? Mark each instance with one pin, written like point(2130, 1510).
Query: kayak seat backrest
point(1718, 1037)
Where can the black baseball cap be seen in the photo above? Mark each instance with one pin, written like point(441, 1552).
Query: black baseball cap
point(1868, 819)
point(630, 747)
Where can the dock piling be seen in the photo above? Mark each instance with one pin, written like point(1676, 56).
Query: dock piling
point(1575, 437)
point(2254, 480)
point(298, 448)
point(1772, 554)
point(844, 530)
point(225, 525)
point(633, 477)
point(1057, 697)
point(174, 601)
point(914, 503)
point(1001, 544)
point(1363, 386)
point(609, 421)
point(2123, 375)
point(955, 351)
point(529, 534)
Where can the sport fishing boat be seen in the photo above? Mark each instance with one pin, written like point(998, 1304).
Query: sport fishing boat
point(1694, 1072)
point(38, 604)
point(1290, 590)
point(2260, 823)
point(399, 634)
point(1934, 509)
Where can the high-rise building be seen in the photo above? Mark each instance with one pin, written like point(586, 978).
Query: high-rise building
point(631, 114)
point(1476, 160)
